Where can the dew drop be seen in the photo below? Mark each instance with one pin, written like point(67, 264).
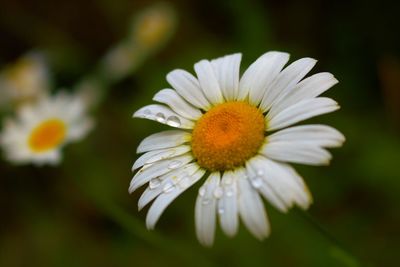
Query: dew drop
point(256, 182)
point(218, 192)
point(229, 192)
point(168, 187)
point(206, 201)
point(173, 121)
point(146, 112)
point(202, 191)
point(160, 117)
point(260, 172)
point(154, 183)
point(174, 164)
point(221, 208)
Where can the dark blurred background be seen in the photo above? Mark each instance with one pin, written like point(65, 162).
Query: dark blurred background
point(80, 213)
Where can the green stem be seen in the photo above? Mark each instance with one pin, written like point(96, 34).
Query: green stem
point(338, 250)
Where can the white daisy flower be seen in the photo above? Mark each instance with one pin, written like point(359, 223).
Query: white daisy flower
point(233, 133)
point(42, 128)
point(153, 26)
point(24, 80)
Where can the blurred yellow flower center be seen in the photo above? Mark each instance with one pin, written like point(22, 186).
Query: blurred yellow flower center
point(153, 27)
point(228, 135)
point(22, 73)
point(47, 135)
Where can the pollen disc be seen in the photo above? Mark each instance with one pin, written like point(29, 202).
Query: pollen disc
point(228, 135)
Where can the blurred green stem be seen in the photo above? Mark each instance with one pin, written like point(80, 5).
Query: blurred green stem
point(338, 250)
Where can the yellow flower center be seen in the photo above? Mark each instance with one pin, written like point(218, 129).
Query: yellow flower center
point(47, 135)
point(153, 28)
point(227, 136)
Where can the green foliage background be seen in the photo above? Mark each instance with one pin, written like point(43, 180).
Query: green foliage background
point(80, 213)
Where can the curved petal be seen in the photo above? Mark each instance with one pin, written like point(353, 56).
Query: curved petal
point(165, 182)
point(286, 80)
point(259, 76)
point(163, 115)
point(227, 70)
point(308, 88)
point(205, 210)
point(157, 155)
point(296, 152)
point(177, 103)
point(283, 180)
point(162, 202)
point(149, 172)
point(188, 87)
point(227, 204)
point(313, 134)
point(208, 82)
point(251, 208)
point(165, 139)
point(303, 110)
point(265, 190)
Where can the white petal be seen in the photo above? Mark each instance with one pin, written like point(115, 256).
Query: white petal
point(283, 180)
point(208, 81)
point(156, 155)
point(162, 202)
point(310, 87)
point(164, 115)
point(296, 152)
point(303, 110)
point(80, 129)
point(315, 134)
point(286, 80)
point(227, 205)
point(165, 139)
point(145, 174)
point(251, 208)
point(205, 210)
point(177, 103)
point(268, 193)
point(188, 87)
point(165, 182)
point(259, 76)
point(227, 72)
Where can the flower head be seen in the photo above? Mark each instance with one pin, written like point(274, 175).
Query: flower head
point(153, 26)
point(42, 128)
point(24, 80)
point(234, 132)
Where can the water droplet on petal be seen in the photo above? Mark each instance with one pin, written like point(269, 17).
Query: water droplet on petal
point(147, 112)
point(260, 172)
point(160, 117)
point(218, 192)
point(154, 183)
point(221, 208)
point(168, 187)
point(229, 192)
point(202, 191)
point(174, 164)
point(173, 121)
point(206, 201)
point(256, 182)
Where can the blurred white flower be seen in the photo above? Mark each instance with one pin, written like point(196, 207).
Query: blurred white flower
point(150, 30)
point(24, 80)
point(232, 132)
point(121, 60)
point(41, 128)
point(153, 27)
